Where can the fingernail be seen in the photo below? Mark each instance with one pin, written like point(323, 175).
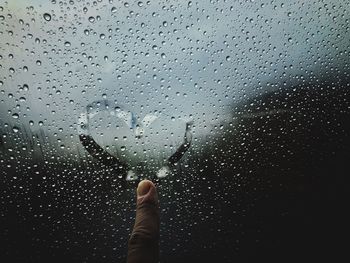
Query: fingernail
point(144, 187)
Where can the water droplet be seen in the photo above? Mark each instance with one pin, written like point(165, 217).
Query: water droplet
point(228, 58)
point(114, 9)
point(15, 116)
point(47, 17)
point(91, 19)
point(15, 129)
point(67, 44)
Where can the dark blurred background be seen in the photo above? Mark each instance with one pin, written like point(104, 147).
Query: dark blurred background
point(271, 186)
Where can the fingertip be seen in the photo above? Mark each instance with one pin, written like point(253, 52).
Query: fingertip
point(144, 187)
point(146, 192)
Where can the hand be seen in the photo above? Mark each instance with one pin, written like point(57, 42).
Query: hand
point(143, 244)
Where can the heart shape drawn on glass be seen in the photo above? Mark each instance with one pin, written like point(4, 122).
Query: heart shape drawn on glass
point(153, 135)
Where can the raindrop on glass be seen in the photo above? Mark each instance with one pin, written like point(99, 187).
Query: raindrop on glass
point(47, 17)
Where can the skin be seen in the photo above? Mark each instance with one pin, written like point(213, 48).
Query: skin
point(143, 245)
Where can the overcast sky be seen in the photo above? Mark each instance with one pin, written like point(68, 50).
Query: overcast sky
point(180, 58)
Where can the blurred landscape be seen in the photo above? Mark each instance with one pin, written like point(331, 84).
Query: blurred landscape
point(266, 83)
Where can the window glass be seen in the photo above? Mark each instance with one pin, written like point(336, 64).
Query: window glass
point(238, 110)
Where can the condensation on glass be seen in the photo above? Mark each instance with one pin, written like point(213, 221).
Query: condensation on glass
point(207, 98)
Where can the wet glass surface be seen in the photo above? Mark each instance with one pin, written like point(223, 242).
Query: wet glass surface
point(238, 110)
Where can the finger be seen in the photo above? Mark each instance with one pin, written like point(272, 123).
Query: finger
point(143, 244)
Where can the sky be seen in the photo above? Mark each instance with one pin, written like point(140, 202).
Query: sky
point(181, 59)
